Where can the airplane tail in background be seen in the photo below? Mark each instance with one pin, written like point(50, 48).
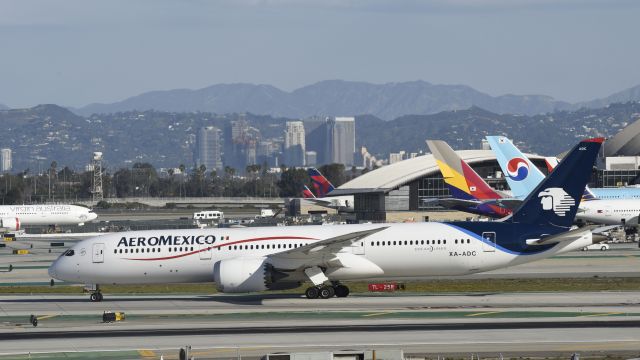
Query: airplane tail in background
point(555, 200)
point(463, 181)
point(320, 183)
point(521, 174)
point(307, 193)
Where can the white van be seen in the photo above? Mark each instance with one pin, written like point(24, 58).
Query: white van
point(208, 215)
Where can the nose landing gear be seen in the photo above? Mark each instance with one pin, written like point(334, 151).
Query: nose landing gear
point(96, 295)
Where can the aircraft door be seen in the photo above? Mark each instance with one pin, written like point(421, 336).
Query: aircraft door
point(607, 210)
point(489, 243)
point(205, 251)
point(98, 253)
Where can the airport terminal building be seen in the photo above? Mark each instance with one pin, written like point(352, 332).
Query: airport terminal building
point(411, 185)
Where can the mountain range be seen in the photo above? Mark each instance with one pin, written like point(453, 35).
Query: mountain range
point(46, 133)
point(337, 97)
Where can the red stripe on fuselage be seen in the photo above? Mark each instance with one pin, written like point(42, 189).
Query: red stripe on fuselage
point(226, 244)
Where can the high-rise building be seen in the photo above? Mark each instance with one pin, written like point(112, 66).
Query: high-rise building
point(5, 159)
point(294, 144)
point(209, 148)
point(311, 158)
point(341, 140)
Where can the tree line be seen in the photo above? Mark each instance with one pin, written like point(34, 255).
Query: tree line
point(143, 180)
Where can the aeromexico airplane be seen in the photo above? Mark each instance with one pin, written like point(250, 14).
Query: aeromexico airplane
point(523, 176)
point(12, 217)
point(256, 259)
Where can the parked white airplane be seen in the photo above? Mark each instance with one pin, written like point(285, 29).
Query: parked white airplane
point(12, 217)
point(611, 212)
point(256, 259)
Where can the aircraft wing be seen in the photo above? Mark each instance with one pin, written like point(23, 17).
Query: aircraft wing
point(571, 235)
point(508, 203)
point(319, 202)
point(452, 202)
point(323, 250)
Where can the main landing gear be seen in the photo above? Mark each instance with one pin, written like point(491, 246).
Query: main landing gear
point(327, 291)
point(320, 289)
point(96, 295)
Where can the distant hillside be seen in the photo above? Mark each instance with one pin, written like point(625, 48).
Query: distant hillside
point(333, 97)
point(548, 134)
point(3, 107)
point(167, 139)
point(631, 94)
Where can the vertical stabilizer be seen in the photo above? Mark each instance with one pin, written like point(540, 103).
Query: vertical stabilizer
point(555, 200)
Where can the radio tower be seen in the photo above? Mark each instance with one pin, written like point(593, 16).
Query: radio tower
point(96, 163)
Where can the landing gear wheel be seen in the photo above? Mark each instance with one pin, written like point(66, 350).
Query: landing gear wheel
point(312, 292)
point(327, 292)
point(95, 297)
point(341, 291)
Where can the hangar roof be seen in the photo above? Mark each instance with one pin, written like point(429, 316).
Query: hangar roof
point(393, 176)
point(624, 143)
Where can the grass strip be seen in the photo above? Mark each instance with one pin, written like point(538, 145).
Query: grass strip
point(430, 286)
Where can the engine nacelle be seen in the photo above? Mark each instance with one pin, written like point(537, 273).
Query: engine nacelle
point(247, 274)
point(12, 224)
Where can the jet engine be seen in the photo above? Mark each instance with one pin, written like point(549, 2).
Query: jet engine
point(247, 274)
point(12, 224)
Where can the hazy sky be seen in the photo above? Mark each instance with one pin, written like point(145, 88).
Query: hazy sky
point(82, 51)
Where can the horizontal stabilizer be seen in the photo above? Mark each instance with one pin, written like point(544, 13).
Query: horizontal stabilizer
point(571, 235)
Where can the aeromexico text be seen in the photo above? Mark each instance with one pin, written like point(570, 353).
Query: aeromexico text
point(169, 240)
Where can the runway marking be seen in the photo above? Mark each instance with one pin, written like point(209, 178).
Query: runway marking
point(378, 314)
point(46, 317)
point(484, 313)
point(147, 353)
point(602, 314)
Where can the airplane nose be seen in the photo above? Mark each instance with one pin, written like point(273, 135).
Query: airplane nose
point(92, 215)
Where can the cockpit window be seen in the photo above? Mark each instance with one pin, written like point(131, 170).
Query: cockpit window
point(69, 252)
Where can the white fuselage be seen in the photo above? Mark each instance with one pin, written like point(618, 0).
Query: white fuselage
point(47, 214)
point(402, 251)
point(610, 212)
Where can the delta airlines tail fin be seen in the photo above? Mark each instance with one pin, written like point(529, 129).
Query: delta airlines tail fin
point(521, 174)
point(307, 193)
point(321, 184)
point(463, 181)
point(555, 200)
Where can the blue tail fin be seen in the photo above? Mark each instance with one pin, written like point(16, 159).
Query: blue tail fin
point(555, 200)
point(521, 174)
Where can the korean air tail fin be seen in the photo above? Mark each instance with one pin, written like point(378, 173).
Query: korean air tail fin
point(307, 193)
point(555, 200)
point(463, 181)
point(321, 184)
point(521, 174)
